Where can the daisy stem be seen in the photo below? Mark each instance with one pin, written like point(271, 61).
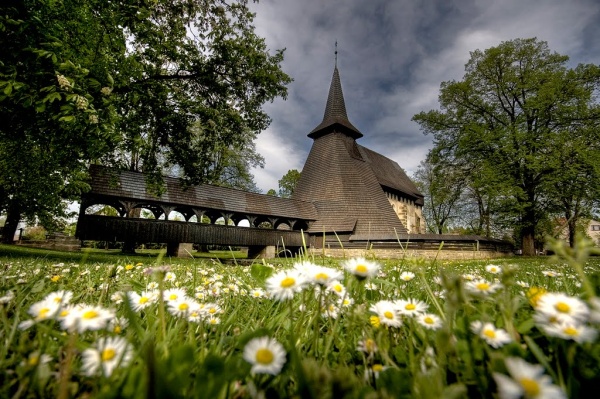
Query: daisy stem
point(333, 331)
point(161, 309)
point(316, 326)
point(65, 367)
point(471, 358)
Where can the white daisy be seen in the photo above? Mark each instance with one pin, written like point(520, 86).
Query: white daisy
point(495, 337)
point(117, 325)
point(210, 309)
point(372, 372)
point(182, 307)
point(40, 311)
point(117, 297)
point(337, 288)
point(141, 301)
point(257, 293)
point(407, 276)
point(284, 284)
point(265, 354)
point(410, 307)
point(7, 297)
point(482, 287)
point(361, 268)
point(494, 269)
point(387, 312)
point(89, 318)
point(562, 308)
point(571, 331)
point(60, 297)
point(526, 381)
point(322, 275)
point(368, 346)
point(174, 294)
point(429, 320)
point(108, 354)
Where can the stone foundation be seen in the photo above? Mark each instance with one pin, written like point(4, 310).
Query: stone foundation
point(397, 253)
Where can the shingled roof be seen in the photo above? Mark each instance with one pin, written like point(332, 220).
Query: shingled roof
point(127, 185)
point(348, 182)
point(335, 116)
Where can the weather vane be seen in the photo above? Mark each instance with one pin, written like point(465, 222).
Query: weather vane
point(336, 53)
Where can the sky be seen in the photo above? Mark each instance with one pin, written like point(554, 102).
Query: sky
point(392, 57)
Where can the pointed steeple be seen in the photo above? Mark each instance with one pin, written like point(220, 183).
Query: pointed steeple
point(335, 118)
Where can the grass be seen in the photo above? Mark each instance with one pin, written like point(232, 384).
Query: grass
point(172, 353)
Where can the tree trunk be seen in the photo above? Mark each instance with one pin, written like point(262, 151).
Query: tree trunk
point(13, 216)
point(572, 223)
point(528, 242)
point(130, 245)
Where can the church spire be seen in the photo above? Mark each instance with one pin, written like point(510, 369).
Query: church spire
point(335, 117)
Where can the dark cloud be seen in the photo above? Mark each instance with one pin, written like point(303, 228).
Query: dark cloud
point(392, 57)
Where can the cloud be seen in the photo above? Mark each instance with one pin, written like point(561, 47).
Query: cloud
point(392, 57)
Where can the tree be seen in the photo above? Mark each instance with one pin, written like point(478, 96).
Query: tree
point(158, 84)
point(443, 188)
point(516, 103)
point(288, 182)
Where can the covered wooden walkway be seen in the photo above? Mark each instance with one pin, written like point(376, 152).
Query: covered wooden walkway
point(211, 214)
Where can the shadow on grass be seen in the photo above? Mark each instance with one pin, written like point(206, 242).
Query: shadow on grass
point(92, 255)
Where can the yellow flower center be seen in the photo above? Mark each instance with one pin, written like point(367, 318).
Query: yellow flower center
point(57, 299)
point(288, 282)
point(407, 278)
point(108, 354)
point(212, 310)
point(33, 360)
point(143, 300)
point(534, 294)
point(264, 356)
point(90, 314)
point(370, 345)
point(321, 276)
point(172, 297)
point(562, 307)
point(483, 286)
point(410, 306)
point(530, 386)
point(128, 267)
point(55, 279)
point(377, 368)
point(489, 333)
point(388, 315)
point(117, 330)
point(183, 306)
point(337, 288)
point(571, 331)
point(428, 320)
point(375, 322)
point(361, 269)
point(64, 313)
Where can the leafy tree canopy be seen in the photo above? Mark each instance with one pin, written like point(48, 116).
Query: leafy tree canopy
point(145, 85)
point(288, 182)
point(509, 118)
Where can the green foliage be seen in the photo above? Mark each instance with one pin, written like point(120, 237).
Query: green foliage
point(288, 182)
point(35, 233)
point(159, 84)
point(511, 122)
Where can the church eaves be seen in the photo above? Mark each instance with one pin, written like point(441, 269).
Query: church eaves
point(335, 118)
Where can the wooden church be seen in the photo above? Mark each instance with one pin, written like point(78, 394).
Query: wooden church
point(359, 194)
